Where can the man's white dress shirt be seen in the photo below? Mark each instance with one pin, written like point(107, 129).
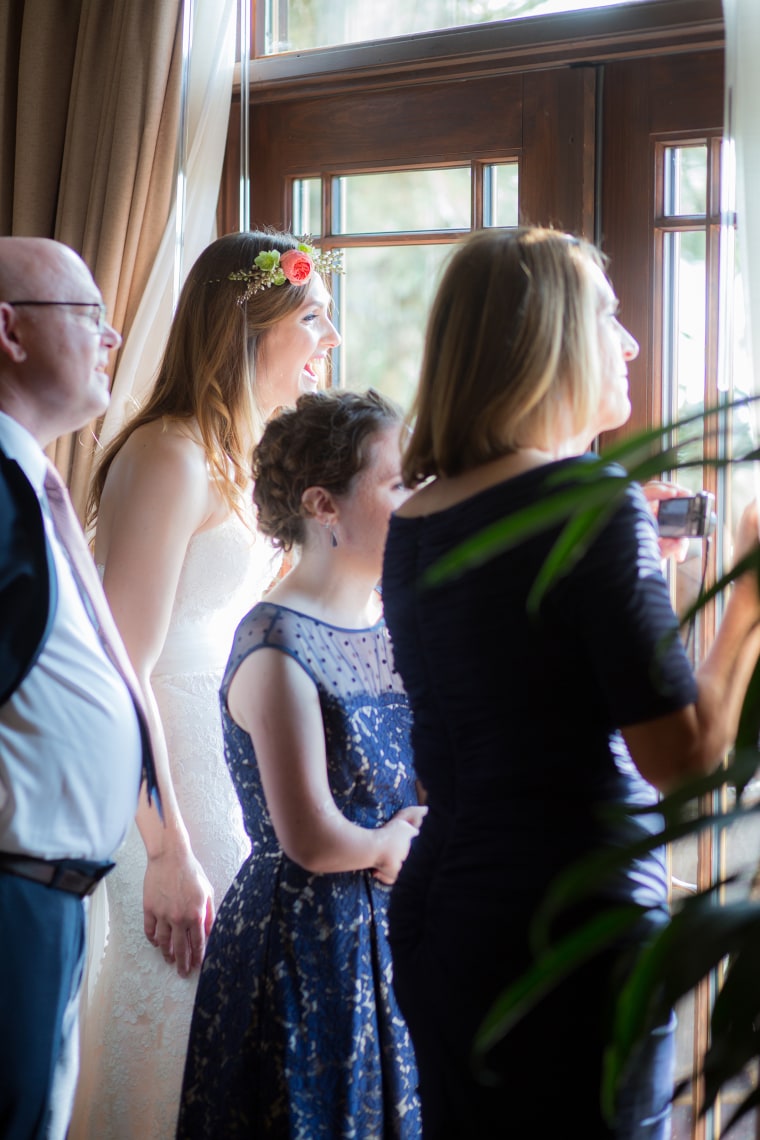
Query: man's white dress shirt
point(70, 750)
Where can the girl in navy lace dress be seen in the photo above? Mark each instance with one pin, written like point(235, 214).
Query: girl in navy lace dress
point(296, 1032)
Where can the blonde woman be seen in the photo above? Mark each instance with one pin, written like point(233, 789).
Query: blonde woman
point(181, 564)
point(528, 727)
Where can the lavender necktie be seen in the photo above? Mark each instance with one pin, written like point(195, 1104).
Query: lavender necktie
point(73, 542)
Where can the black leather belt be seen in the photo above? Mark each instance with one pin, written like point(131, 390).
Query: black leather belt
point(77, 876)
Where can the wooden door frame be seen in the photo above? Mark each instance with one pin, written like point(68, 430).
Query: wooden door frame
point(551, 45)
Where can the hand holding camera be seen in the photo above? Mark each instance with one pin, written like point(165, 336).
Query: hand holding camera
point(680, 516)
point(687, 517)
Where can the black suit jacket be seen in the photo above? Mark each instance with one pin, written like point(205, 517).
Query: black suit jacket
point(28, 583)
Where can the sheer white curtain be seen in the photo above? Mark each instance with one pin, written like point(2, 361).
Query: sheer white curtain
point(742, 19)
point(212, 58)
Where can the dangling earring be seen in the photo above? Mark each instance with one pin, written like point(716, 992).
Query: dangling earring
point(333, 539)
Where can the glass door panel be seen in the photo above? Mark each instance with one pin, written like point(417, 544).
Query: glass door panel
point(685, 372)
point(685, 284)
point(383, 305)
point(693, 256)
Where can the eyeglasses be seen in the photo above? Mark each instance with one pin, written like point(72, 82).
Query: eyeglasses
point(97, 310)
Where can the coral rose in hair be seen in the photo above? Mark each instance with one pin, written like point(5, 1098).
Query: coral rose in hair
point(297, 266)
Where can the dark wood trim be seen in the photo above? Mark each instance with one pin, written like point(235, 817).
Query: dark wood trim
point(228, 206)
point(379, 130)
point(648, 103)
point(476, 204)
point(626, 216)
point(559, 128)
point(391, 129)
point(593, 36)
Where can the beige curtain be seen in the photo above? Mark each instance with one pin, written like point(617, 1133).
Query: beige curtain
point(209, 94)
point(89, 113)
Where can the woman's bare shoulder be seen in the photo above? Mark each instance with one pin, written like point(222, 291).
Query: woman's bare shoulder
point(165, 447)
point(159, 467)
point(158, 481)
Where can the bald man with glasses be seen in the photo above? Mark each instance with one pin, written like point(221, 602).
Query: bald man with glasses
point(74, 742)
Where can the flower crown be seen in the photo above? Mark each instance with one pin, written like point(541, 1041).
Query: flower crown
point(296, 266)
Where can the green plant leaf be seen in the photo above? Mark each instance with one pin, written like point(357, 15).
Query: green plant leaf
point(593, 491)
point(750, 561)
point(697, 938)
point(676, 805)
point(575, 539)
point(515, 528)
point(684, 803)
point(648, 439)
point(739, 997)
point(550, 969)
point(588, 876)
point(735, 1036)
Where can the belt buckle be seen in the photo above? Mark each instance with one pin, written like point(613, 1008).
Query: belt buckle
point(72, 881)
point(69, 877)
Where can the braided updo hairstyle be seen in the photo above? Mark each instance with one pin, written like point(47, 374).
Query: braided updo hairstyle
point(319, 443)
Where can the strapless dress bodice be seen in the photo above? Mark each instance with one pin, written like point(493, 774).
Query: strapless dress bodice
point(221, 579)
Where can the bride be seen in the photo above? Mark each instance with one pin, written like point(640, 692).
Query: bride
point(181, 565)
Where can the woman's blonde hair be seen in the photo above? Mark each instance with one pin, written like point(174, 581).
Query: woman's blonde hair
point(511, 352)
point(208, 370)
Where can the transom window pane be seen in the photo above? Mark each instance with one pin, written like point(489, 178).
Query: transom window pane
point(500, 195)
point(292, 25)
point(307, 206)
point(408, 200)
point(685, 181)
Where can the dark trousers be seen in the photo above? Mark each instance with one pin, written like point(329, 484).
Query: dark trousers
point(42, 941)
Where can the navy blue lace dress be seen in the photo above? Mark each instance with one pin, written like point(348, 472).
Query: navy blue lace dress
point(296, 1032)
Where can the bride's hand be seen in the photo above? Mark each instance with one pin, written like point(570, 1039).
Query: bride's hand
point(178, 907)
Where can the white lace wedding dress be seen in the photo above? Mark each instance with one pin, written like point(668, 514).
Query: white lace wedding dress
point(136, 1009)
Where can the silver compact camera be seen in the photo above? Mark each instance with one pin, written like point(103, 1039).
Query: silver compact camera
point(691, 518)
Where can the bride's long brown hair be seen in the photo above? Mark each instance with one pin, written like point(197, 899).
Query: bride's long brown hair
point(208, 370)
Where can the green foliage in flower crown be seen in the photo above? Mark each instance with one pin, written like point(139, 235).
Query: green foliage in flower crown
point(267, 260)
point(267, 269)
